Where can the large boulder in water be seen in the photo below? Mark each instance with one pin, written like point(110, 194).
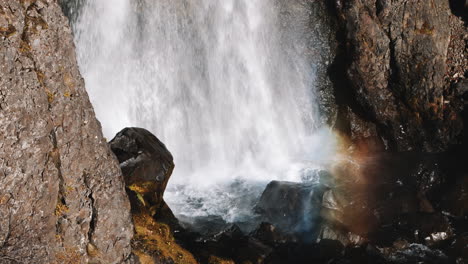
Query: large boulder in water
point(292, 207)
point(146, 165)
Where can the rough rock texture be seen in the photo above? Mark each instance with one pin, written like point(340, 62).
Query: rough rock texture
point(400, 85)
point(312, 23)
point(400, 61)
point(323, 49)
point(147, 166)
point(71, 8)
point(62, 196)
point(145, 162)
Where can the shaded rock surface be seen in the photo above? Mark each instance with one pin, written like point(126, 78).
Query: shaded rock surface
point(62, 196)
point(399, 78)
point(388, 208)
point(400, 61)
point(383, 208)
point(394, 200)
point(146, 164)
point(293, 207)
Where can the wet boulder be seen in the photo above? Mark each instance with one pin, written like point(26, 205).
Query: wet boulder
point(146, 165)
point(291, 207)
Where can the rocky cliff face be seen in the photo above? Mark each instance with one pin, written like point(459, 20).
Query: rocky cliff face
point(400, 85)
point(62, 197)
point(399, 79)
point(399, 63)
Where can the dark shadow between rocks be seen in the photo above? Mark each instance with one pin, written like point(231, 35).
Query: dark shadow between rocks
point(389, 208)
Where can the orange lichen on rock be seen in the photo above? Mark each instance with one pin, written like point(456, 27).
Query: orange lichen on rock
point(7, 32)
point(143, 257)
point(60, 209)
point(154, 241)
point(68, 256)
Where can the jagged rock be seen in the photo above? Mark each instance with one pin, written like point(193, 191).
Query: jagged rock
point(146, 165)
point(62, 197)
point(396, 55)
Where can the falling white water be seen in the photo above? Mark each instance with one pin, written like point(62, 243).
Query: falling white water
point(223, 83)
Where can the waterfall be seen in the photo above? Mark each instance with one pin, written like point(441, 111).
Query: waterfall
point(227, 85)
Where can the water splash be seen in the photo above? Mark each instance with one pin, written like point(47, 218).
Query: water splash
point(227, 85)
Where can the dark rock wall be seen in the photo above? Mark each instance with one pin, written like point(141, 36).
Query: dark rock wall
point(400, 92)
point(396, 72)
point(62, 197)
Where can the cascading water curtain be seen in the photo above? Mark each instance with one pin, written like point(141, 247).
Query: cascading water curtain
point(222, 83)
